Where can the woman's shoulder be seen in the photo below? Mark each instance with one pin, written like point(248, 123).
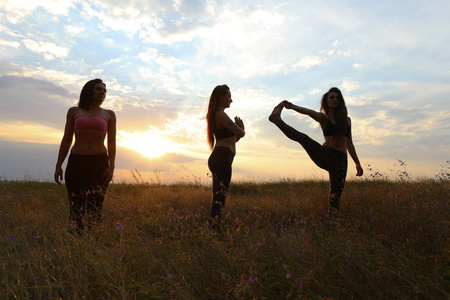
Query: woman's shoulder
point(222, 119)
point(221, 115)
point(73, 111)
point(109, 112)
point(323, 119)
point(110, 115)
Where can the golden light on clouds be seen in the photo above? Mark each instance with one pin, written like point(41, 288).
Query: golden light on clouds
point(30, 133)
point(151, 144)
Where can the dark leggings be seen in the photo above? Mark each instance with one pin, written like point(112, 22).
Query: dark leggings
point(329, 159)
point(85, 187)
point(219, 164)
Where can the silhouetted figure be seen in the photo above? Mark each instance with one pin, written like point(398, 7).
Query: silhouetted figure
point(332, 155)
point(90, 167)
point(222, 134)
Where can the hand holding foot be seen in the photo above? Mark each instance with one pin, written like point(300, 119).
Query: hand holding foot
point(275, 116)
point(287, 104)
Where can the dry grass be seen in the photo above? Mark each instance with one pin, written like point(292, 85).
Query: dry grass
point(392, 241)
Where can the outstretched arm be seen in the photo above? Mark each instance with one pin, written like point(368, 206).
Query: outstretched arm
point(317, 116)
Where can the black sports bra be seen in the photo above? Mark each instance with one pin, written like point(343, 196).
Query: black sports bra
point(223, 133)
point(331, 129)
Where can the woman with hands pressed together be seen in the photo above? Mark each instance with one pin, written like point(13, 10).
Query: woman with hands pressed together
point(336, 127)
point(91, 165)
point(222, 134)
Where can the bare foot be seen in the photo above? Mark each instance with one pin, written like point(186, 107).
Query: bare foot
point(275, 116)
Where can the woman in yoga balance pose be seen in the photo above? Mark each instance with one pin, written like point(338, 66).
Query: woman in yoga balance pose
point(222, 134)
point(332, 155)
point(90, 167)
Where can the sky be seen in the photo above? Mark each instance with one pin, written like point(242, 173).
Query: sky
point(161, 59)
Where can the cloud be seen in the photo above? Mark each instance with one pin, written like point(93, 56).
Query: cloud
point(156, 21)
point(49, 50)
point(32, 100)
point(11, 44)
point(24, 131)
point(349, 86)
point(149, 55)
point(315, 91)
point(73, 30)
point(29, 161)
point(17, 10)
point(308, 62)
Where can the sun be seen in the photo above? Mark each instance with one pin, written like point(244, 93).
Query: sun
point(149, 144)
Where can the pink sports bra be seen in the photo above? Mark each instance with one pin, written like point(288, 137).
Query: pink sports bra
point(90, 124)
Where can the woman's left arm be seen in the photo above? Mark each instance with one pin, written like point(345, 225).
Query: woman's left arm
point(109, 172)
point(239, 123)
point(352, 151)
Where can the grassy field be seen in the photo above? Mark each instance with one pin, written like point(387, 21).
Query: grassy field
point(391, 242)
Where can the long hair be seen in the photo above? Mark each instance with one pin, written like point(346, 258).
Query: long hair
point(340, 113)
point(86, 99)
point(213, 106)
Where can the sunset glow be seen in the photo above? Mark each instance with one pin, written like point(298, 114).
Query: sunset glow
point(149, 144)
point(160, 63)
point(29, 132)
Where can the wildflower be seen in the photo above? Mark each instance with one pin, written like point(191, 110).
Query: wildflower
point(252, 279)
point(320, 264)
point(288, 275)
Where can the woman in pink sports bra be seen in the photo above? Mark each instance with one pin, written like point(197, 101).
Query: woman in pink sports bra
point(90, 166)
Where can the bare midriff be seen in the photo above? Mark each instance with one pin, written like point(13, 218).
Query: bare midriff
point(338, 143)
point(229, 143)
point(89, 143)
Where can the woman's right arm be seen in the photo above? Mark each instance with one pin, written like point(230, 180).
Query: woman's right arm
point(225, 121)
point(318, 116)
point(66, 142)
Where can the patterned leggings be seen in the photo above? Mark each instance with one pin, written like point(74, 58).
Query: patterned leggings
point(329, 159)
point(219, 164)
point(85, 187)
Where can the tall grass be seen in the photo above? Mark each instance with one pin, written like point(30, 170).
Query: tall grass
point(390, 242)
